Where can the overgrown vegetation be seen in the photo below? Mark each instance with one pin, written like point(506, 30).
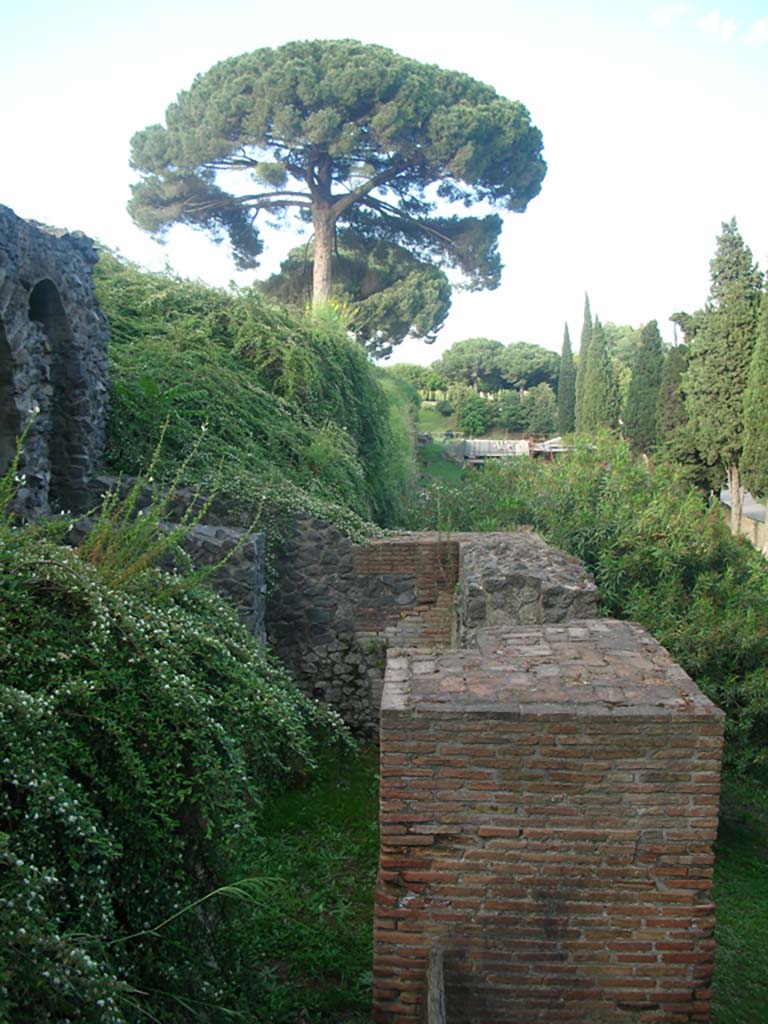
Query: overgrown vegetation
point(659, 554)
point(141, 728)
point(296, 416)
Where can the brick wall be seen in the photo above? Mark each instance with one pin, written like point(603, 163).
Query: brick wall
point(337, 606)
point(548, 807)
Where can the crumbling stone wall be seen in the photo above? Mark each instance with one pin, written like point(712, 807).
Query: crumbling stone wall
point(337, 606)
point(548, 808)
point(53, 358)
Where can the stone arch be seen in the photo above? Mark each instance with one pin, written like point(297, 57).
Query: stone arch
point(9, 414)
point(68, 439)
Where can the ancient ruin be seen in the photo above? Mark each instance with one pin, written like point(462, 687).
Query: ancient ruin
point(53, 363)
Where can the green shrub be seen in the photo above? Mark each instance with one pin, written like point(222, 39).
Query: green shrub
point(141, 728)
point(659, 555)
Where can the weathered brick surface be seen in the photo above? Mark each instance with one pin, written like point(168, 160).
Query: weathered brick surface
point(548, 807)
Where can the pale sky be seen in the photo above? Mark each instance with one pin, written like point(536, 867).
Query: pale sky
point(653, 117)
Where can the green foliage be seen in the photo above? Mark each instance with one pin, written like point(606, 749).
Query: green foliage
point(296, 416)
point(566, 388)
point(390, 294)
point(740, 984)
point(310, 943)
point(643, 397)
point(474, 362)
point(141, 728)
point(754, 459)
point(581, 369)
point(510, 412)
point(659, 555)
point(600, 395)
point(675, 434)
point(523, 366)
point(542, 409)
point(474, 415)
point(355, 134)
point(721, 350)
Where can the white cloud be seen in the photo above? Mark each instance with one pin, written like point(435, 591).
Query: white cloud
point(758, 32)
point(714, 24)
point(664, 16)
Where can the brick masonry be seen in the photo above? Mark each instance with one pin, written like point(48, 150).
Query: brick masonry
point(548, 808)
point(337, 606)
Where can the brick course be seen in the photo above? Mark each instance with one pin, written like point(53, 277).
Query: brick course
point(548, 807)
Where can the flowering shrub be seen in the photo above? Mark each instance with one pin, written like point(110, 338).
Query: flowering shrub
point(140, 728)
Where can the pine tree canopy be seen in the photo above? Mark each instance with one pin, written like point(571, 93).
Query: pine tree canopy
point(340, 132)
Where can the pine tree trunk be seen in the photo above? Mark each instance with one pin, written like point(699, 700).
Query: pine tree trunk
point(322, 271)
point(737, 498)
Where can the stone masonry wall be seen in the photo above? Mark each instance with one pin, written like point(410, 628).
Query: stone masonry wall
point(548, 807)
point(337, 606)
point(53, 358)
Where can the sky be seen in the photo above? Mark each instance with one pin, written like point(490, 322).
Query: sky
point(653, 117)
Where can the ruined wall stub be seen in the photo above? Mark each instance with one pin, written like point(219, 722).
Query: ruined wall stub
point(53, 358)
point(548, 805)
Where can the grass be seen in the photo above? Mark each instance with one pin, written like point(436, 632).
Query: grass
point(740, 993)
point(312, 963)
point(432, 422)
point(313, 934)
point(434, 465)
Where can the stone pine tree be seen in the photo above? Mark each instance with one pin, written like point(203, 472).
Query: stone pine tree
point(338, 133)
point(754, 458)
point(721, 354)
point(600, 396)
point(586, 337)
point(566, 388)
point(643, 394)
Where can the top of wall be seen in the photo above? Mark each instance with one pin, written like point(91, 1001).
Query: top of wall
point(593, 668)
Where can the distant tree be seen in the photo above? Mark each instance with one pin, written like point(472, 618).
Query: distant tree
point(674, 431)
point(474, 361)
point(338, 132)
point(390, 294)
point(622, 342)
point(600, 397)
point(474, 414)
point(436, 382)
point(524, 365)
point(415, 375)
point(566, 388)
point(581, 369)
point(643, 395)
point(754, 458)
point(671, 413)
point(721, 354)
point(542, 409)
point(510, 412)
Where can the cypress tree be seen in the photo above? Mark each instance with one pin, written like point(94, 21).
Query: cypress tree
point(754, 459)
point(600, 396)
point(721, 355)
point(643, 394)
point(566, 388)
point(670, 410)
point(586, 337)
